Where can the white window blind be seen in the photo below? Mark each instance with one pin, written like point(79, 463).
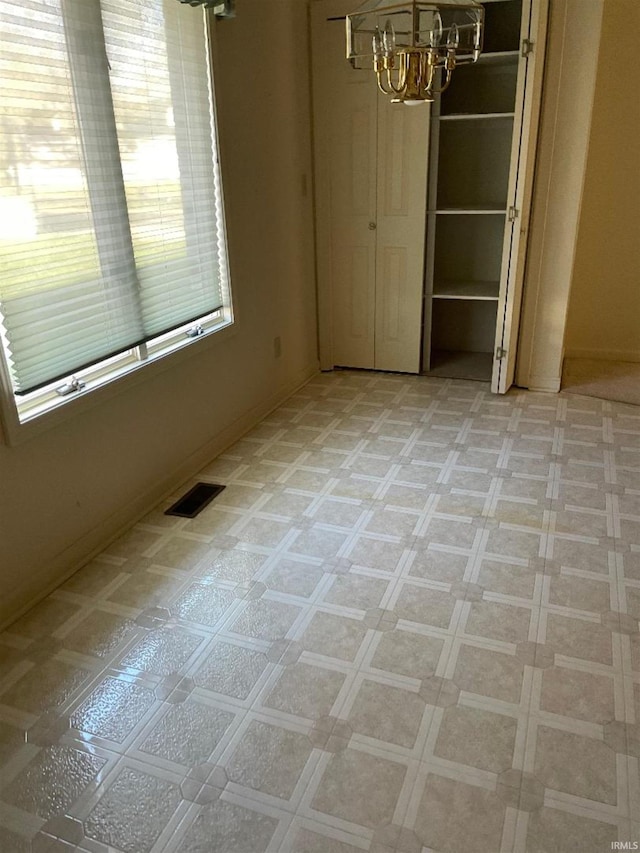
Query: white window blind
point(111, 228)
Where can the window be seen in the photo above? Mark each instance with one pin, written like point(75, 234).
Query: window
point(112, 246)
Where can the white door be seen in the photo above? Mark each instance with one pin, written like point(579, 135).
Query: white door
point(403, 154)
point(534, 27)
point(371, 161)
point(345, 121)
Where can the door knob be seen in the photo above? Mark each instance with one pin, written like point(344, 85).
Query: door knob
point(372, 226)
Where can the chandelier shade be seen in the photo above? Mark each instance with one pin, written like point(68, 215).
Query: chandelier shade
point(414, 46)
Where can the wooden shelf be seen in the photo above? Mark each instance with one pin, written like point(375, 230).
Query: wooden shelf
point(463, 325)
point(469, 196)
point(502, 22)
point(458, 364)
point(481, 258)
point(486, 291)
point(484, 88)
point(472, 116)
point(473, 164)
point(470, 210)
point(499, 56)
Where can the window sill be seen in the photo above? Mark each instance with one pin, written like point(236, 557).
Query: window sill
point(123, 379)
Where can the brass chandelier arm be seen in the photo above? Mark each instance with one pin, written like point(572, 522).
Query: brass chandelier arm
point(402, 81)
point(427, 71)
point(379, 67)
point(448, 69)
point(390, 88)
point(387, 65)
point(445, 85)
point(418, 76)
point(380, 83)
point(415, 44)
point(402, 74)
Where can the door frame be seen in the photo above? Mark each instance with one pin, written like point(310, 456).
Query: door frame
point(572, 63)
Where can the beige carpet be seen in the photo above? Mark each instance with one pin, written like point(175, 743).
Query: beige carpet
point(609, 380)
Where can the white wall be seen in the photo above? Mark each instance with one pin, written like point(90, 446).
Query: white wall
point(604, 307)
point(63, 493)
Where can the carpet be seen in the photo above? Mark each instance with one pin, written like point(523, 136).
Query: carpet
point(609, 380)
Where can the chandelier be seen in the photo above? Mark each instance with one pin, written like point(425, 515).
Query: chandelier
point(221, 8)
point(415, 46)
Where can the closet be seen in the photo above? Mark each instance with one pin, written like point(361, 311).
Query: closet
point(371, 174)
point(422, 212)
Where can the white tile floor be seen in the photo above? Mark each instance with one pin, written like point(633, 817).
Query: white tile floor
point(409, 623)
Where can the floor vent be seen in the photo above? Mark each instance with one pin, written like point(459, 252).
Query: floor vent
point(195, 500)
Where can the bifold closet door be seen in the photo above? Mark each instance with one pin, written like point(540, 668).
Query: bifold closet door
point(345, 127)
point(371, 161)
point(403, 154)
point(535, 15)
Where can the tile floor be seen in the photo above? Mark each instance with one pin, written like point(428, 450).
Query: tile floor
point(409, 623)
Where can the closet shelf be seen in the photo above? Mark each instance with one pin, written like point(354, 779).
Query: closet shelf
point(471, 209)
point(460, 364)
point(473, 290)
point(472, 116)
point(498, 56)
point(472, 167)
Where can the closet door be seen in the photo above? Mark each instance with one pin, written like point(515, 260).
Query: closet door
point(371, 162)
point(403, 152)
point(529, 91)
point(345, 126)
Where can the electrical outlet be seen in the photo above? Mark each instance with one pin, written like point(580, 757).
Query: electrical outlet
point(277, 347)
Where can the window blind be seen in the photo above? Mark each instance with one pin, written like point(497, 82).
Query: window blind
point(111, 226)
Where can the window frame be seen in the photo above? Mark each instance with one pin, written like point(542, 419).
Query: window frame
point(24, 417)
point(103, 382)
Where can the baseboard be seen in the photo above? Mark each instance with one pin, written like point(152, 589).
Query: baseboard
point(65, 564)
point(544, 383)
point(604, 354)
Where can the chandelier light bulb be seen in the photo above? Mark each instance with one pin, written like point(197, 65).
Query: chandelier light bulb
point(477, 41)
point(436, 32)
point(378, 46)
point(414, 46)
point(454, 36)
point(389, 39)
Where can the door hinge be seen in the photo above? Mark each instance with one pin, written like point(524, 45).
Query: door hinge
point(527, 47)
point(514, 213)
point(500, 353)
